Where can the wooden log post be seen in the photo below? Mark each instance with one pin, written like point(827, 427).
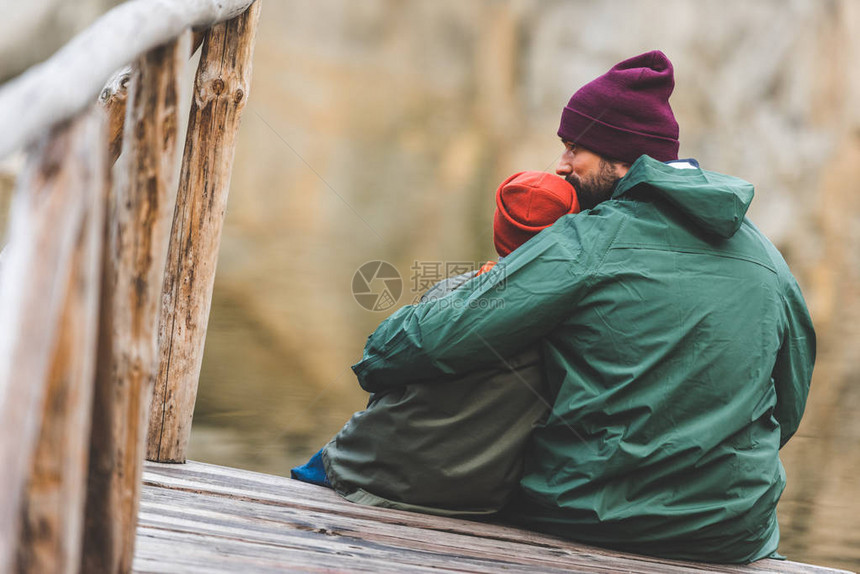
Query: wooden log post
point(46, 342)
point(53, 509)
point(138, 229)
point(113, 99)
point(220, 92)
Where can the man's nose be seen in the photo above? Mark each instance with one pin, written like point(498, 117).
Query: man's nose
point(563, 168)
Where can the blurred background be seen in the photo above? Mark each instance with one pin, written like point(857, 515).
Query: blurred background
point(378, 131)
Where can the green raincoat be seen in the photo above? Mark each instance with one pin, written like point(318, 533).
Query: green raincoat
point(677, 347)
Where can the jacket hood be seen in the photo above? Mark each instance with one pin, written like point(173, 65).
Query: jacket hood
point(716, 202)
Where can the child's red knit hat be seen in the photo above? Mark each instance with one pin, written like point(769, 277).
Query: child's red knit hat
point(528, 202)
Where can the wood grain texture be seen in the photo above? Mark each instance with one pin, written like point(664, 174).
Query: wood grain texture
point(220, 92)
point(53, 510)
point(53, 204)
point(138, 229)
point(203, 518)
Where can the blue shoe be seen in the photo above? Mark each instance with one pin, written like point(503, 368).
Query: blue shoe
point(312, 471)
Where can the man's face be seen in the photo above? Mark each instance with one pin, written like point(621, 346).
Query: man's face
point(592, 176)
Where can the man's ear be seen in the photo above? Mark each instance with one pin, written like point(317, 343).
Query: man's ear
point(621, 168)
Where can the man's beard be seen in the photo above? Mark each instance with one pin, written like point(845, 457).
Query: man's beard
point(599, 187)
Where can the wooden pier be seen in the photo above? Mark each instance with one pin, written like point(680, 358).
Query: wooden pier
point(197, 518)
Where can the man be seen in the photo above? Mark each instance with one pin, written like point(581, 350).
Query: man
point(675, 341)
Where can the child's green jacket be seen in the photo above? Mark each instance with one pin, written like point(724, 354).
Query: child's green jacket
point(454, 448)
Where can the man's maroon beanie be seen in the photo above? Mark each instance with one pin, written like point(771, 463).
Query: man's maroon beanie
point(625, 112)
point(528, 202)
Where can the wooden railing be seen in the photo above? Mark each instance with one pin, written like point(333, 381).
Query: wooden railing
point(102, 298)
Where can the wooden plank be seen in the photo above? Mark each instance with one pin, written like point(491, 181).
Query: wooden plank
point(193, 553)
point(309, 499)
point(220, 92)
point(335, 537)
point(52, 516)
point(49, 212)
point(306, 498)
point(216, 502)
point(138, 231)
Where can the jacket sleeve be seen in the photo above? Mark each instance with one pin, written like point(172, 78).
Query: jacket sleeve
point(792, 372)
point(493, 316)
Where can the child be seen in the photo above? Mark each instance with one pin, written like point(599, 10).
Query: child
point(456, 447)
